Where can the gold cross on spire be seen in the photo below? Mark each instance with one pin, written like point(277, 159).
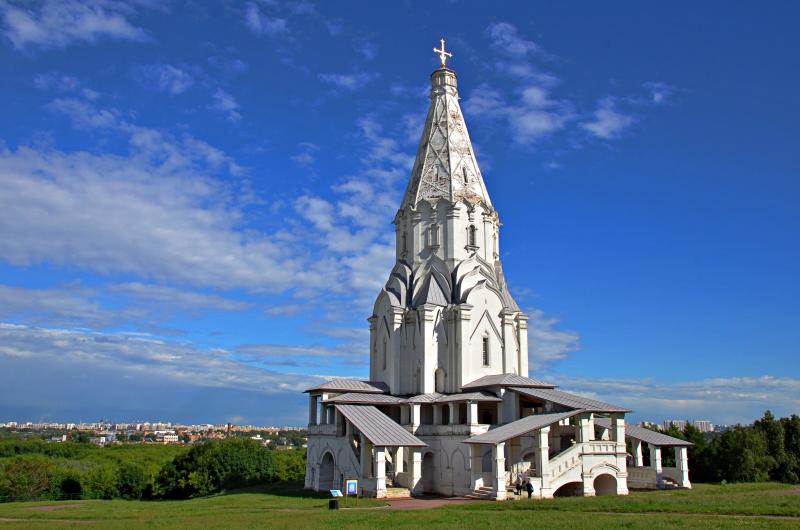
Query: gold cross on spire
point(443, 55)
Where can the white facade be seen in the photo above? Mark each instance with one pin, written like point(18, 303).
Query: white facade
point(449, 407)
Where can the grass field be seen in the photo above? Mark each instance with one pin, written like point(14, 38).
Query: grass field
point(705, 506)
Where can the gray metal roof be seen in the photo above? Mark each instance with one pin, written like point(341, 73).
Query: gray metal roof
point(506, 380)
point(379, 428)
point(468, 396)
point(569, 400)
point(351, 385)
point(424, 398)
point(357, 397)
point(646, 435)
point(520, 427)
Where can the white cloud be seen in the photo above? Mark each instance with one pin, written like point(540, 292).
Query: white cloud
point(546, 344)
point(607, 121)
point(158, 212)
point(722, 400)
point(506, 39)
point(143, 357)
point(226, 103)
point(261, 24)
point(349, 82)
point(305, 155)
point(165, 78)
point(59, 23)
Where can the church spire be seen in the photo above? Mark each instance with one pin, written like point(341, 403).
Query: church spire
point(445, 166)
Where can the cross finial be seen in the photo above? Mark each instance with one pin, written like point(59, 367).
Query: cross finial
point(443, 55)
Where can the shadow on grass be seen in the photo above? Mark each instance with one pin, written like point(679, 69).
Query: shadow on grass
point(283, 489)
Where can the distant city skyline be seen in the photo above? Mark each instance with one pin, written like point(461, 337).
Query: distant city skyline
point(196, 199)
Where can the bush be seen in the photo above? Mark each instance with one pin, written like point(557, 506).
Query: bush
point(216, 466)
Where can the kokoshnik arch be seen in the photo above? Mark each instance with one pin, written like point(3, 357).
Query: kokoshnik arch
point(449, 407)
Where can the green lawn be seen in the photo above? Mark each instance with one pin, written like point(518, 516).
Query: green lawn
point(706, 506)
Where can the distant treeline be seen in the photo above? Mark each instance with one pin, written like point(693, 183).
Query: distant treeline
point(33, 468)
point(769, 449)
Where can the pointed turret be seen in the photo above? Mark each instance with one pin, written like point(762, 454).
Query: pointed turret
point(445, 166)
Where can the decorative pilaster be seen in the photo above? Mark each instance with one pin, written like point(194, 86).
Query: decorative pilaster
point(510, 353)
point(379, 468)
point(415, 464)
point(522, 339)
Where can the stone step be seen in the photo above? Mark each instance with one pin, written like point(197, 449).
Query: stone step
point(398, 493)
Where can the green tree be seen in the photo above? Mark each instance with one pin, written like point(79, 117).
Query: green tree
point(25, 476)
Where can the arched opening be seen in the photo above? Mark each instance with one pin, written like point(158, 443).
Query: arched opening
point(326, 472)
point(605, 484)
point(445, 415)
point(570, 489)
point(438, 377)
point(428, 473)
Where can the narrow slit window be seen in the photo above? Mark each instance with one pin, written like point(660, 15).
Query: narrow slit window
point(471, 236)
point(485, 351)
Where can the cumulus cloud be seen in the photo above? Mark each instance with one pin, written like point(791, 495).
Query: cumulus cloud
point(165, 78)
point(546, 344)
point(59, 23)
point(607, 122)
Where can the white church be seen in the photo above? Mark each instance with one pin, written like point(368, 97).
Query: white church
point(449, 408)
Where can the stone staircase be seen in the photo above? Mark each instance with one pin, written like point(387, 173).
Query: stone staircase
point(482, 493)
point(398, 493)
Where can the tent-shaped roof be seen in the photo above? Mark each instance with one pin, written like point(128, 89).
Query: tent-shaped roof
point(351, 385)
point(566, 399)
point(378, 428)
point(506, 380)
point(646, 435)
point(518, 428)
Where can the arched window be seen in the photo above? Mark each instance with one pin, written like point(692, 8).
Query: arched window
point(384, 354)
point(485, 351)
point(471, 235)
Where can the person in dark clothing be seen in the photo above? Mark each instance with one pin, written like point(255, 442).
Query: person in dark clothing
point(529, 488)
point(518, 486)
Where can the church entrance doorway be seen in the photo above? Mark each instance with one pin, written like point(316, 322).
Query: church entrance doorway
point(326, 472)
point(429, 473)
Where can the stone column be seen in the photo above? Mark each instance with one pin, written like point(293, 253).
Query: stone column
point(655, 463)
point(364, 456)
point(476, 466)
point(542, 452)
point(682, 463)
point(618, 428)
point(414, 410)
point(398, 461)
point(415, 464)
point(499, 469)
point(405, 414)
point(379, 466)
point(453, 413)
point(437, 414)
point(472, 413)
point(638, 458)
point(585, 428)
point(312, 409)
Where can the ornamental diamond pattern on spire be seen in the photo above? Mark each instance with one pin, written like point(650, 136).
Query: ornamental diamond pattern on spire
point(445, 166)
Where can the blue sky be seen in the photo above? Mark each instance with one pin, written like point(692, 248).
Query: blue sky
point(195, 199)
